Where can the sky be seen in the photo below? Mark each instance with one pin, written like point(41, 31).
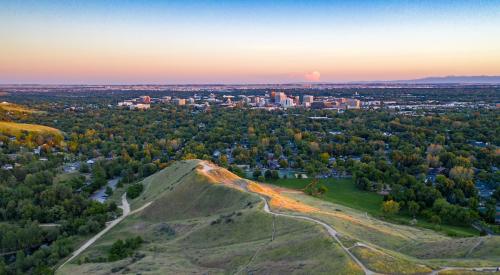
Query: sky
point(197, 42)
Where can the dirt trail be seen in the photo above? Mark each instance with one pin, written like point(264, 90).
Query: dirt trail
point(207, 168)
point(328, 228)
point(480, 269)
point(126, 212)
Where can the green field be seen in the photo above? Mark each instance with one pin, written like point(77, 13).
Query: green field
point(344, 192)
point(341, 191)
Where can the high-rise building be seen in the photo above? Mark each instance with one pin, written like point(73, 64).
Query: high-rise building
point(287, 102)
point(146, 99)
point(353, 103)
point(308, 99)
point(296, 100)
point(279, 98)
point(179, 101)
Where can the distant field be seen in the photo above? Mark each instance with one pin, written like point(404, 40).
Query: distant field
point(344, 192)
point(16, 108)
point(66, 176)
point(12, 128)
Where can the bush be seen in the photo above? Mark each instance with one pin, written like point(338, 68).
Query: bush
point(256, 173)
point(122, 249)
point(268, 175)
point(134, 190)
point(390, 207)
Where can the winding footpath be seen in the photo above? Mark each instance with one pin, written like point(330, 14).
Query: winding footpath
point(328, 228)
point(126, 212)
point(332, 232)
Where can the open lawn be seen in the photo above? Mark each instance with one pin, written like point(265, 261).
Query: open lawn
point(341, 191)
point(344, 192)
point(66, 176)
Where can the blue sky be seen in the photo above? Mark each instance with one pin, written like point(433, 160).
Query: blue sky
point(245, 41)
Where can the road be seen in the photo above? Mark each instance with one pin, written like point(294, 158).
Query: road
point(126, 212)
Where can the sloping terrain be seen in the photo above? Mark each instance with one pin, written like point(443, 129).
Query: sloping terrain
point(198, 224)
point(12, 128)
point(10, 107)
point(422, 246)
point(199, 218)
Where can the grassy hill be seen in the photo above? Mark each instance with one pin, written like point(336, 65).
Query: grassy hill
point(10, 107)
point(344, 192)
point(202, 220)
point(12, 128)
point(196, 225)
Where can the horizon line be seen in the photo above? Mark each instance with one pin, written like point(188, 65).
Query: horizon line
point(395, 81)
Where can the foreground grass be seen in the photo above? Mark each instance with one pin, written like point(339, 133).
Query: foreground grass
point(387, 264)
point(212, 229)
point(344, 192)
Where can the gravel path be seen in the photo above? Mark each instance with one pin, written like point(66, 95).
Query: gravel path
point(126, 212)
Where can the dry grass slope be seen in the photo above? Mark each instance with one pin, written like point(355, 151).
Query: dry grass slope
point(12, 128)
point(10, 107)
point(218, 229)
point(387, 264)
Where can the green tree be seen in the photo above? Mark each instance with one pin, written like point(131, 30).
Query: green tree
point(413, 208)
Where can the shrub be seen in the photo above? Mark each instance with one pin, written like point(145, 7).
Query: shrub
point(122, 249)
point(134, 190)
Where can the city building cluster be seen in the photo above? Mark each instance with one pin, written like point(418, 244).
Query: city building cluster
point(141, 103)
point(270, 100)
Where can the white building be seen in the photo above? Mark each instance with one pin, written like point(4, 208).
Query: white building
point(288, 102)
point(179, 101)
point(353, 103)
point(279, 98)
point(140, 106)
point(307, 99)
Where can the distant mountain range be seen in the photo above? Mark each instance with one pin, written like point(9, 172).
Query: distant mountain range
point(452, 79)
